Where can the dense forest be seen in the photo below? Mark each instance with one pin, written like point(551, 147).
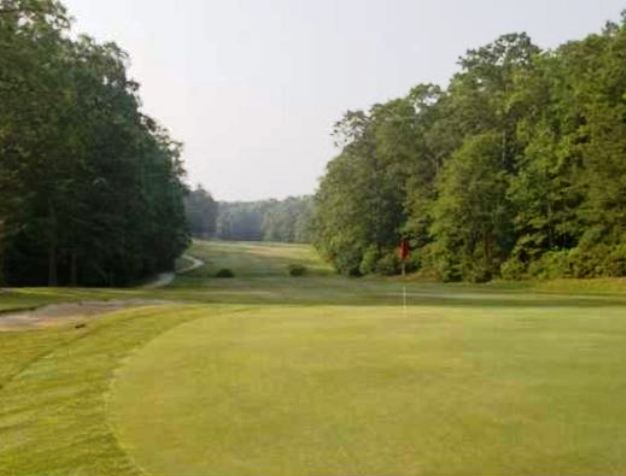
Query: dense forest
point(90, 187)
point(517, 169)
point(287, 221)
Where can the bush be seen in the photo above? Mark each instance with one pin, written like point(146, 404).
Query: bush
point(615, 265)
point(476, 271)
point(369, 261)
point(601, 260)
point(388, 265)
point(384, 262)
point(513, 269)
point(552, 265)
point(347, 261)
point(225, 273)
point(296, 270)
point(439, 263)
point(583, 262)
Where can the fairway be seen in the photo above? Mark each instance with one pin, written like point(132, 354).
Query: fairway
point(266, 374)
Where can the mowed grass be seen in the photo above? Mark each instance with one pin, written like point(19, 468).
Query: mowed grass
point(373, 391)
point(265, 374)
point(250, 259)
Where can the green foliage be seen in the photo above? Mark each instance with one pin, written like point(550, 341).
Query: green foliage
point(369, 260)
point(383, 262)
point(90, 187)
point(516, 170)
point(225, 273)
point(471, 218)
point(296, 270)
point(388, 264)
point(286, 221)
point(360, 202)
point(598, 261)
point(201, 212)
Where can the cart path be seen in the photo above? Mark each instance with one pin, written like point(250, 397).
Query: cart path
point(165, 279)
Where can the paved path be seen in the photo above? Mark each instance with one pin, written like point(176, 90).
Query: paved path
point(195, 264)
point(165, 279)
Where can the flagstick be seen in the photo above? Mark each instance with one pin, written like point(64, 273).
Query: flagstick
point(404, 287)
point(404, 254)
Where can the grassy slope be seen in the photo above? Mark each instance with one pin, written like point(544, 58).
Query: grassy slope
point(53, 398)
point(249, 259)
point(541, 370)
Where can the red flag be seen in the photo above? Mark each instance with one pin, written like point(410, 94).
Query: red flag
point(405, 251)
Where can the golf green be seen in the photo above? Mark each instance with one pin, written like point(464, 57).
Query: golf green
point(295, 391)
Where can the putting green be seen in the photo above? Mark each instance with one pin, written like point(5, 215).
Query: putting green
point(371, 391)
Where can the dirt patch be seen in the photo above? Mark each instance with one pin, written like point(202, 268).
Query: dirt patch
point(67, 313)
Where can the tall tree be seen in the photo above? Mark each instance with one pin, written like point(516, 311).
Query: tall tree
point(90, 188)
point(202, 212)
point(515, 170)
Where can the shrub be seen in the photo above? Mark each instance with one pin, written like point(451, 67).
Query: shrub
point(370, 258)
point(225, 273)
point(601, 260)
point(440, 263)
point(296, 270)
point(552, 265)
point(513, 269)
point(388, 265)
point(615, 264)
point(347, 261)
point(476, 271)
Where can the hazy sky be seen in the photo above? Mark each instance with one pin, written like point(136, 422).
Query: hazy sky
point(252, 87)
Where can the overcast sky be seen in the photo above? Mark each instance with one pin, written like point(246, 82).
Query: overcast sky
point(252, 87)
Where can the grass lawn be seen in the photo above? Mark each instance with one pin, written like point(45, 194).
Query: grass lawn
point(265, 374)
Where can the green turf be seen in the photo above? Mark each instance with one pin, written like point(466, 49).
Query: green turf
point(324, 375)
point(249, 259)
point(343, 391)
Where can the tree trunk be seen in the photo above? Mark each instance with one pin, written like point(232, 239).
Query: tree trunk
point(53, 279)
point(74, 268)
point(1, 253)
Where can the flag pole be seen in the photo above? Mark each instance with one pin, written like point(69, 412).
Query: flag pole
point(404, 286)
point(404, 255)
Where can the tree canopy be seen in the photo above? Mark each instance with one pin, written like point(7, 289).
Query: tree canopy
point(201, 210)
point(516, 169)
point(91, 188)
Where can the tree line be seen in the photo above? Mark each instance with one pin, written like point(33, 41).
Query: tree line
point(287, 221)
point(517, 169)
point(91, 188)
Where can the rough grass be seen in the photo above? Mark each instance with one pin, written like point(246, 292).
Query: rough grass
point(53, 418)
point(319, 375)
